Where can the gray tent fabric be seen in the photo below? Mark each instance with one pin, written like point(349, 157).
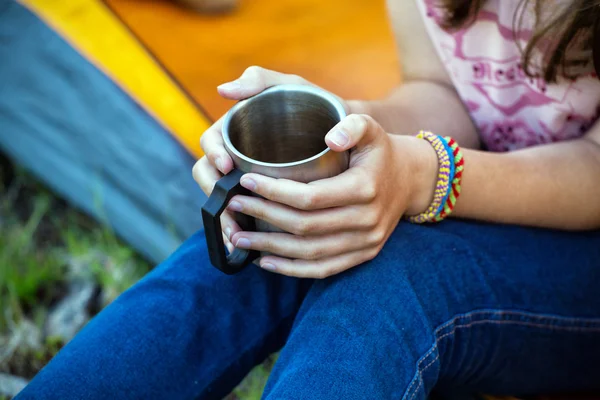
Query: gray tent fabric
point(69, 124)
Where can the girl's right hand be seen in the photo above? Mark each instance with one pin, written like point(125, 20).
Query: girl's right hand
point(216, 161)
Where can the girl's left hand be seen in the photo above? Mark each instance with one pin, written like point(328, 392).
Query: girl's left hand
point(340, 222)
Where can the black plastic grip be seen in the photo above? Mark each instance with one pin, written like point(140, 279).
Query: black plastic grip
point(227, 187)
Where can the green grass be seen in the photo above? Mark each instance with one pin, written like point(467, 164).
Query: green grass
point(252, 387)
point(26, 270)
point(41, 238)
point(114, 266)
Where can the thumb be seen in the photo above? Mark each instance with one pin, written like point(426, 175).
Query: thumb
point(254, 80)
point(357, 130)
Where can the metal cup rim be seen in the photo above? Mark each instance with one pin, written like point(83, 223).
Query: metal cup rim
point(279, 88)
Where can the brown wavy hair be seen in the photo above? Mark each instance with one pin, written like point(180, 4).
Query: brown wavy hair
point(568, 38)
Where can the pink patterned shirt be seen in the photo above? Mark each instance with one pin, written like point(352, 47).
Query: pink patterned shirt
point(511, 111)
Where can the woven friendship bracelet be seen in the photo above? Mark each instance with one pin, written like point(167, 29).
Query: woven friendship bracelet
point(443, 185)
point(452, 168)
point(459, 166)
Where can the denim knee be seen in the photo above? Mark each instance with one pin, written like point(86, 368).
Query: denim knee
point(371, 323)
point(417, 268)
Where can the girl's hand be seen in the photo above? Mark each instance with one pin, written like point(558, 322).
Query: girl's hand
point(340, 222)
point(216, 161)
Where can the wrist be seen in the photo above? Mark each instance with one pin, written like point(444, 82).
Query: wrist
point(422, 172)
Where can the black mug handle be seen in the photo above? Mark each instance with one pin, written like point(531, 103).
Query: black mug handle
point(227, 187)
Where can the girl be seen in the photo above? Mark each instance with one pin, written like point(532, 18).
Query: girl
point(502, 299)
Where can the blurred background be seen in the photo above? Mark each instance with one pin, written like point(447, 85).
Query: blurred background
point(102, 104)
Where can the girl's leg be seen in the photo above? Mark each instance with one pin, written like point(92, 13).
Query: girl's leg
point(185, 331)
point(460, 305)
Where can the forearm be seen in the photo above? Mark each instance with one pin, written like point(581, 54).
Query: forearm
point(550, 186)
point(422, 105)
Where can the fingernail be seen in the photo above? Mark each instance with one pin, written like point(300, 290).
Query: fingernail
point(248, 183)
point(243, 243)
point(219, 164)
point(230, 86)
point(235, 206)
point(268, 267)
point(228, 233)
point(338, 137)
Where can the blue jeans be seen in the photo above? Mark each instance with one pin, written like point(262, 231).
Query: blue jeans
point(456, 306)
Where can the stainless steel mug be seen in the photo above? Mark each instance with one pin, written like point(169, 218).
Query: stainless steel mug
point(280, 133)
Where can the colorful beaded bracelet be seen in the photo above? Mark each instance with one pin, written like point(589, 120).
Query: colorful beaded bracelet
point(459, 166)
point(452, 168)
point(444, 182)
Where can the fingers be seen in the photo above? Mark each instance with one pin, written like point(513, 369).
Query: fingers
point(318, 269)
point(228, 245)
point(207, 176)
point(349, 188)
point(229, 226)
point(256, 79)
point(212, 144)
point(304, 223)
point(306, 248)
point(356, 130)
